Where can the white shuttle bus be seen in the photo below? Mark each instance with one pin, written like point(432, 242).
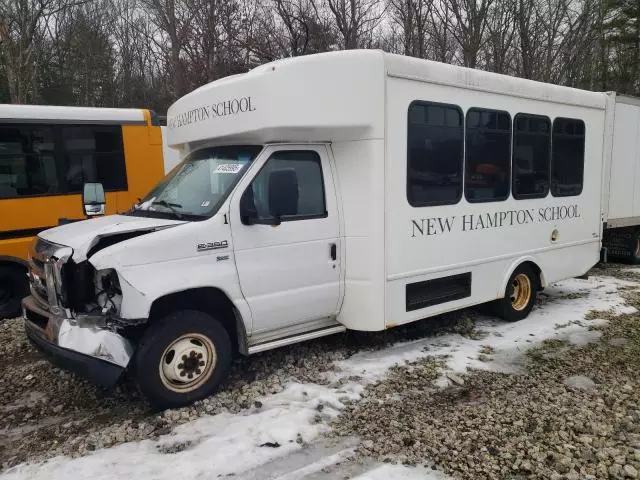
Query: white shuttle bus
point(351, 190)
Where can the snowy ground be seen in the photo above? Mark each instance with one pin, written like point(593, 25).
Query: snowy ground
point(283, 438)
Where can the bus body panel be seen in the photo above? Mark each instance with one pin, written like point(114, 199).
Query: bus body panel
point(442, 244)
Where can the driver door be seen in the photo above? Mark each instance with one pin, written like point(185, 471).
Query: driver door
point(290, 272)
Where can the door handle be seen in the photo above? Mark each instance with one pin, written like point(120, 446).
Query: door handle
point(334, 251)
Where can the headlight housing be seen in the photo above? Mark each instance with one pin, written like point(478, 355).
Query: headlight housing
point(53, 269)
point(108, 291)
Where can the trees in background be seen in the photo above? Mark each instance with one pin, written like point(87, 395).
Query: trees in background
point(147, 53)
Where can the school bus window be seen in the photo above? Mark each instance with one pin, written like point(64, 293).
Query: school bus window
point(27, 161)
point(567, 158)
point(94, 154)
point(531, 156)
point(488, 155)
point(434, 154)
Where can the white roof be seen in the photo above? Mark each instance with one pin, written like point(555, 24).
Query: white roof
point(329, 97)
point(35, 113)
point(469, 78)
point(324, 97)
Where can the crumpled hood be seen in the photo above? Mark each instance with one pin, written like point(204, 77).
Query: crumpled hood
point(83, 235)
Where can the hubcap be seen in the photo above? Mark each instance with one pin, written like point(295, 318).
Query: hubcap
point(187, 363)
point(521, 292)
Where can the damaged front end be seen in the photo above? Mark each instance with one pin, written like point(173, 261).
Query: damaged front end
point(72, 314)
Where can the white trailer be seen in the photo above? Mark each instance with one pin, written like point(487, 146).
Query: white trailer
point(621, 189)
point(352, 190)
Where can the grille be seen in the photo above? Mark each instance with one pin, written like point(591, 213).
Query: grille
point(39, 320)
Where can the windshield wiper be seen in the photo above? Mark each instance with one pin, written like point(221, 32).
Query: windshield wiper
point(170, 206)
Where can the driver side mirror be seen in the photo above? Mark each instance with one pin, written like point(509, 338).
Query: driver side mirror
point(282, 199)
point(248, 211)
point(93, 199)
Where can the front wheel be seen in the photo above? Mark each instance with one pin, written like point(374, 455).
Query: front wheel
point(520, 295)
point(182, 358)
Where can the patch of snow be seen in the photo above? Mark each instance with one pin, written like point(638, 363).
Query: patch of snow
point(209, 446)
point(401, 472)
point(509, 340)
point(580, 382)
point(584, 337)
point(227, 444)
point(317, 466)
point(442, 381)
point(618, 342)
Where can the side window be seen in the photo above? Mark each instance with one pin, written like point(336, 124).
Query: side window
point(27, 161)
point(94, 153)
point(531, 156)
point(488, 155)
point(291, 185)
point(567, 159)
point(434, 154)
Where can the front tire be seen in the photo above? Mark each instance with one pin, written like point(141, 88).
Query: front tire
point(520, 295)
point(182, 358)
point(14, 286)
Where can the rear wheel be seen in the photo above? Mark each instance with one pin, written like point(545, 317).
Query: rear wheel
point(182, 358)
point(520, 295)
point(14, 286)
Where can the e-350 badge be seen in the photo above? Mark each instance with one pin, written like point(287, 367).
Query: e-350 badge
point(212, 245)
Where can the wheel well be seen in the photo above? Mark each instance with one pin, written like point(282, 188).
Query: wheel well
point(537, 271)
point(14, 263)
point(207, 300)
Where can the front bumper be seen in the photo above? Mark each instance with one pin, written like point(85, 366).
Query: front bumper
point(99, 355)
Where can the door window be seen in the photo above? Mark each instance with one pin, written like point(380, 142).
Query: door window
point(304, 202)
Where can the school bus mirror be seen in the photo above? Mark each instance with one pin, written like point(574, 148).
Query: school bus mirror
point(93, 199)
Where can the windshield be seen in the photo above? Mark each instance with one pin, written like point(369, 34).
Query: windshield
point(199, 185)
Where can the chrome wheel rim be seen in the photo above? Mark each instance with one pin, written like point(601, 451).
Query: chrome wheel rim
point(187, 363)
point(521, 292)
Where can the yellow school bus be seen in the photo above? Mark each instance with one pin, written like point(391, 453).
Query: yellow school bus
point(47, 154)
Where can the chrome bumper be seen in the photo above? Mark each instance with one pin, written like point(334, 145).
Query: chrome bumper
point(65, 333)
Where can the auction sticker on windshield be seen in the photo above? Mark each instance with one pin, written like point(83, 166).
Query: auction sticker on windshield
point(228, 168)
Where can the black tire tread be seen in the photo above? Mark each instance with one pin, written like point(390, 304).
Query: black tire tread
point(17, 275)
point(503, 308)
point(145, 367)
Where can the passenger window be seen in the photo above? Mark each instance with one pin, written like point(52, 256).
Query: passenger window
point(531, 155)
point(307, 201)
point(94, 154)
point(567, 160)
point(488, 155)
point(27, 161)
point(434, 154)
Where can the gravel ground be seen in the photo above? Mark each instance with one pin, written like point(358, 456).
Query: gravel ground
point(45, 411)
point(529, 425)
point(570, 413)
